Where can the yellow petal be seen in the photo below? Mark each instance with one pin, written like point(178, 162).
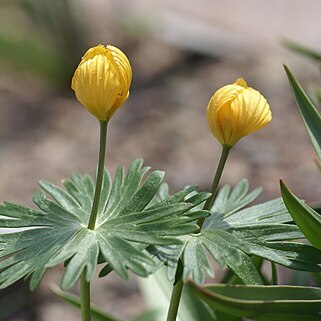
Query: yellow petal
point(235, 111)
point(241, 82)
point(102, 80)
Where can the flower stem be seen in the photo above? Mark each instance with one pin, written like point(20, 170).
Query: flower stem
point(175, 298)
point(85, 297)
point(216, 180)
point(178, 288)
point(84, 284)
point(100, 174)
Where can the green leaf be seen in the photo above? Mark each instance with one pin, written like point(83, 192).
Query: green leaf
point(270, 212)
point(230, 201)
point(231, 235)
point(150, 315)
point(58, 232)
point(269, 242)
point(264, 303)
point(308, 220)
point(308, 111)
point(225, 249)
point(222, 316)
point(305, 51)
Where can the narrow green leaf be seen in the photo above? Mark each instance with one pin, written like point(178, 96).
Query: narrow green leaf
point(60, 196)
point(308, 220)
point(264, 303)
point(228, 251)
point(145, 194)
point(115, 193)
point(305, 51)
point(229, 201)
point(222, 316)
point(104, 195)
point(309, 113)
point(245, 269)
point(268, 213)
point(150, 315)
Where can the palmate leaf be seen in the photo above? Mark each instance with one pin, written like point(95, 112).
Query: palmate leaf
point(58, 232)
point(231, 235)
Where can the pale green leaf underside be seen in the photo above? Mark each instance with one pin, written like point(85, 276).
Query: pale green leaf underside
point(231, 234)
point(57, 231)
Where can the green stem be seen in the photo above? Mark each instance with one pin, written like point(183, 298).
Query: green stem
point(175, 298)
point(178, 288)
point(216, 180)
point(100, 174)
point(274, 272)
point(85, 297)
point(84, 284)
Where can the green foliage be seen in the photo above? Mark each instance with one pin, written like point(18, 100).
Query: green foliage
point(303, 50)
point(308, 111)
point(231, 235)
point(305, 217)
point(308, 220)
point(57, 232)
point(222, 316)
point(264, 303)
point(149, 315)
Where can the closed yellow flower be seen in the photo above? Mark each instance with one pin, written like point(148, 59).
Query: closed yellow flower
point(101, 81)
point(235, 111)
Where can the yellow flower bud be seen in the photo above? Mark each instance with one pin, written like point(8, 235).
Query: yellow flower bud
point(101, 81)
point(235, 111)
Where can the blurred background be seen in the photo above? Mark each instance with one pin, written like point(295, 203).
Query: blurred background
point(181, 52)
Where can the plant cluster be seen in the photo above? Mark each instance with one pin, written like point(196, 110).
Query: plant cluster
point(131, 224)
